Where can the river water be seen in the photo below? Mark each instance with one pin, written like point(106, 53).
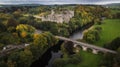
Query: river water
point(58, 54)
point(46, 60)
point(77, 35)
point(55, 52)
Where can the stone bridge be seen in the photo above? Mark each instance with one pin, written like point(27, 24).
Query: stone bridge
point(85, 46)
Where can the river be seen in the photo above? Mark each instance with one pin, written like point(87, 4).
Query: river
point(54, 52)
point(58, 54)
point(77, 35)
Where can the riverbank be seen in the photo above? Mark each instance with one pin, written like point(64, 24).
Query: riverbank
point(46, 58)
point(110, 30)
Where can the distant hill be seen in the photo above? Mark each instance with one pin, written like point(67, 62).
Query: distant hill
point(9, 5)
point(113, 4)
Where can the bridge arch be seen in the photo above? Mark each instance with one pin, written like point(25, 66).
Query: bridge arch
point(85, 46)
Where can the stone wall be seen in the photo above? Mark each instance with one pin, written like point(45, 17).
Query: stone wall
point(59, 18)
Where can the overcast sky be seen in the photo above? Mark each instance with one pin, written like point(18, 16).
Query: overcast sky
point(58, 1)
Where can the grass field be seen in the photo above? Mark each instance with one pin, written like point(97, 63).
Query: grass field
point(88, 60)
point(110, 30)
point(113, 11)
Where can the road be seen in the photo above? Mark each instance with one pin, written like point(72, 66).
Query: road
point(12, 48)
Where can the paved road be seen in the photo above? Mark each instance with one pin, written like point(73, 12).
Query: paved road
point(12, 48)
point(88, 45)
point(36, 16)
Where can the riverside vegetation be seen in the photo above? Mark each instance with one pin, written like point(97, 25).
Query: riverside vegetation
point(16, 28)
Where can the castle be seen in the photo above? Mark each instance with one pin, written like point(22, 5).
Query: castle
point(59, 18)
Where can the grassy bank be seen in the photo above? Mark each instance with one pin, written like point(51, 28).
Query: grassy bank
point(88, 60)
point(110, 30)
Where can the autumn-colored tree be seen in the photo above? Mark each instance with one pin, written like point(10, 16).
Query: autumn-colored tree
point(17, 13)
point(35, 35)
point(26, 28)
point(23, 34)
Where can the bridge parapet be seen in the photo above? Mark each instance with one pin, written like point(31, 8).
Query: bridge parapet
point(85, 46)
point(94, 51)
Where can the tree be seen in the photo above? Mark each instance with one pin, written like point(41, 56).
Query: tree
point(8, 38)
point(2, 27)
point(51, 40)
point(64, 32)
point(72, 26)
point(69, 47)
point(74, 59)
point(59, 63)
point(10, 63)
point(3, 64)
point(11, 22)
point(90, 38)
point(1, 46)
point(23, 20)
point(25, 27)
point(49, 26)
point(92, 35)
point(25, 58)
point(40, 44)
point(111, 60)
point(23, 34)
point(114, 44)
point(11, 29)
point(17, 13)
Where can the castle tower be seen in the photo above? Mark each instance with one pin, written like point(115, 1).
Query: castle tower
point(52, 12)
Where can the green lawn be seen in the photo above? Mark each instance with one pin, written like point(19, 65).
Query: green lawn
point(110, 30)
point(113, 11)
point(88, 60)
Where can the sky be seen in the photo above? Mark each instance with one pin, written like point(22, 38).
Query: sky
point(47, 2)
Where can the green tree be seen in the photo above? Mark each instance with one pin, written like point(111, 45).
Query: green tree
point(2, 27)
point(11, 22)
point(92, 35)
point(59, 63)
point(10, 63)
point(25, 58)
point(3, 64)
point(17, 13)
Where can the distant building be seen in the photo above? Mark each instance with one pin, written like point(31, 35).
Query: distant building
point(59, 18)
point(27, 44)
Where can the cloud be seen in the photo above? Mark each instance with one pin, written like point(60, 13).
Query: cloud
point(58, 1)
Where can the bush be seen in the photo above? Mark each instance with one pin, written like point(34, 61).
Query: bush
point(59, 63)
point(98, 28)
point(92, 35)
point(114, 44)
point(75, 59)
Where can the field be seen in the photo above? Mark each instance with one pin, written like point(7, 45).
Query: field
point(88, 60)
point(110, 30)
point(113, 11)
